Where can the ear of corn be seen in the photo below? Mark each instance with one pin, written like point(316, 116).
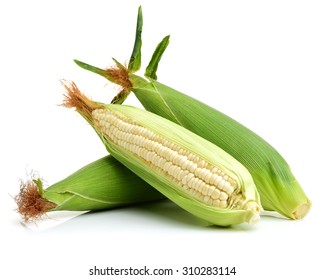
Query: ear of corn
point(102, 184)
point(278, 188)
point(192, 172)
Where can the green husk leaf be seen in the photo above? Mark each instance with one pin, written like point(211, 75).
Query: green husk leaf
point(96, 70)
point(118, 64)
point(135, 59)
point(39, 185)
point(152, 67)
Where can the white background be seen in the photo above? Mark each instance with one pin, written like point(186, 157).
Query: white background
point(261, 62)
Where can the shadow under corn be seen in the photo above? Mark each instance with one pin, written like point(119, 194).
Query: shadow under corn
point(161, 217)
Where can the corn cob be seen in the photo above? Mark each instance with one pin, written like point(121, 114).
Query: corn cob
point(102, 184)
point(278, 187)
point(187, 169)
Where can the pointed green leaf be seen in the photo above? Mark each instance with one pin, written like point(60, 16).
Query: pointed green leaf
point(95, 70)
point(155, 59)
point(135, 59)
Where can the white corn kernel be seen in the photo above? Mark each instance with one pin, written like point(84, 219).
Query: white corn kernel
point(215, 194)
point(223, 196)
point(210, 191)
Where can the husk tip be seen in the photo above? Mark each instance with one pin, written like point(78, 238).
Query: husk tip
point(253, 209)
point(254, 218)
point(301, 211)
point(30, 203)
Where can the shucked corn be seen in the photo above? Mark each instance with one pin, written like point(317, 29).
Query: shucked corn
point(207, 183)
point(195, 174)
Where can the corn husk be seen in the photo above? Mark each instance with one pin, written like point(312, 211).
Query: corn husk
point(100, 185)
